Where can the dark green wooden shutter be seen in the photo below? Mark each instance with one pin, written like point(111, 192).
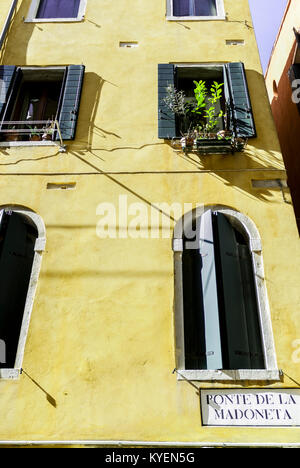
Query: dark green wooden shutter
point(243, 120)
point(70, 103)
point(238, 352)
point(251, 309)
point(194, 331)
point(229, 121)
point(166, 118)
point(210, 293)
point(7, 75)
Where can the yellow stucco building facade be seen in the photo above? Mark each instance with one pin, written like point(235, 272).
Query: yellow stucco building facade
point(101, 351)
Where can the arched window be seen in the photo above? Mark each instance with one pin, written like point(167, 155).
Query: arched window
point(22, 239)
point(223, 327)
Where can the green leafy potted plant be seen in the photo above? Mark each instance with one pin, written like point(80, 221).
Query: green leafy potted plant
point(206, 107)
point(199, 118)
point(34, 134)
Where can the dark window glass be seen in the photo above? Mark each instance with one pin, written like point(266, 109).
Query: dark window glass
point(58, 9)
point(194, 8)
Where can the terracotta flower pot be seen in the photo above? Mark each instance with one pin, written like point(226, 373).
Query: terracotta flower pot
point(35, 138)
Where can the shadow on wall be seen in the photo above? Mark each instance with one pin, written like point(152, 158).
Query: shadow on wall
point(18, 37)
point(91, 94)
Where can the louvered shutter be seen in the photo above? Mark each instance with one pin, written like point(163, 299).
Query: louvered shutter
point(238, 352)
point(251, 308)
point(7, 75)
point(210, 293)
point(70, 102)
point(194, 333)
point(229, 121)
point(242, 114)
point(166, 118)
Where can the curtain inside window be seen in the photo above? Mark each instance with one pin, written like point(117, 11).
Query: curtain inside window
point(58, 9)
point(194, 8)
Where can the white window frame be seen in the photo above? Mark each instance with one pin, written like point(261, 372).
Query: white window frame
point(271, 372)
point(31, 17)
point(221, 15)
point(40, 245)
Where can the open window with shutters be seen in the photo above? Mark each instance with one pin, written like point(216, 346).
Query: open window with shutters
point(21, 244)
point(39, 104)
point(206, 108)
point(223, 327)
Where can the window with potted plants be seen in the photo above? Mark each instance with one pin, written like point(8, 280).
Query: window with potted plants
point(205, 108)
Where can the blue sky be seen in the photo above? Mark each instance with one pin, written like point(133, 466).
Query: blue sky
point(266, 15)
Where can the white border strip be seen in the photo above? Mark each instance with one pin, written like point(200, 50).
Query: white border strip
point(138, 443)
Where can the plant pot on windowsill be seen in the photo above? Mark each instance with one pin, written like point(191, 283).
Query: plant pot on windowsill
point(11, 137)
point(47, 136)
point(12, 134)
point(187, 142)
point(35, 137)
